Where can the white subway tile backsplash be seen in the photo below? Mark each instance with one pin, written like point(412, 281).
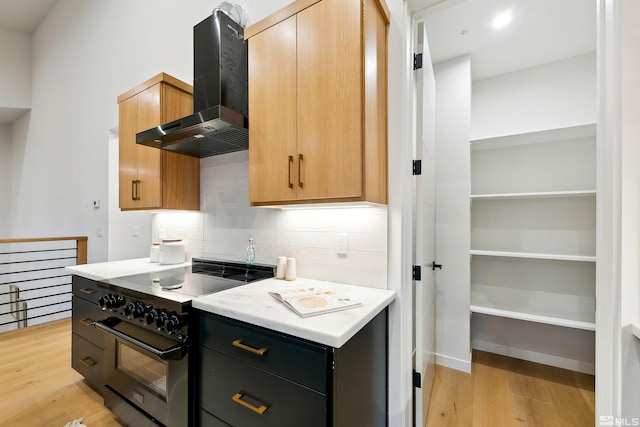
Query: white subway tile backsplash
point(226, 221)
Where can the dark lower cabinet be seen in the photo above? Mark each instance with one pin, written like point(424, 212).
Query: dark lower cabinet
point(87, 345)
point(251, 376)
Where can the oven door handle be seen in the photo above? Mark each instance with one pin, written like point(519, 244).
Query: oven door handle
point(176, 352)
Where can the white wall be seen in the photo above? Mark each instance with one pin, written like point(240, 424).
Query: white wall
point(85, 54)
point(554, 95)
point(5, 180)
point(128, 233)
point(226, 221)
point(453, 111)
point(15, 69)
point(630, 269)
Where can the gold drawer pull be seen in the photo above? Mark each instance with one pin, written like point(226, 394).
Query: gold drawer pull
point(88, 361)
point(238, 399)
point(87, 322)
point(87, 291)
point(239, 344)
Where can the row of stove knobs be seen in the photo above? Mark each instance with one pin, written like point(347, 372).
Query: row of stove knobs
point(161, 318)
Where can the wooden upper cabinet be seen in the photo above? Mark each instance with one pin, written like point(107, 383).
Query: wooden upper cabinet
point(151, 178)
point(318, 103)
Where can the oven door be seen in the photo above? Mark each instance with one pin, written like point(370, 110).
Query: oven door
point(147, 375)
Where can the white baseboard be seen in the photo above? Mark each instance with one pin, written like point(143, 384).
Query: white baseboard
point(454, 363)
point(532, 356)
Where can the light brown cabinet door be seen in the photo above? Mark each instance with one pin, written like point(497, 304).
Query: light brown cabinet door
point(330, 97)
point(128, 153)
point(149, 159)
point(273, 156)
point(151, 178)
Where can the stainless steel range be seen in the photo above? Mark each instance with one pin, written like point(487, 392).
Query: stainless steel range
point(147, 343)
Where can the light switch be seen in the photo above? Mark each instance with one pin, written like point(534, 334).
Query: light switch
point(341, 244)
point(135, 231)
point(100, 232)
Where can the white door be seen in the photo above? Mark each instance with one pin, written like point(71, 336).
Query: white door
point(424, 236)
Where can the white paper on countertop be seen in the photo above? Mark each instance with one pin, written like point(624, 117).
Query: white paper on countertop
point(252, 303)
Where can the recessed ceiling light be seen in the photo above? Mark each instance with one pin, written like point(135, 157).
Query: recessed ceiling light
point(501, 20)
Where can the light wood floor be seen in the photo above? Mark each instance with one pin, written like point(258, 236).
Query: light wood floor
point(507, 392)
point(38, 388)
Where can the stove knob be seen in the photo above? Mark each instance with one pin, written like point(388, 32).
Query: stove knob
point(118, 301)
point(162, 318)
point(175, 322)
point(150, 317)
point(129, 310)
point(106, 301)
point(139, 310)
point(102, 302)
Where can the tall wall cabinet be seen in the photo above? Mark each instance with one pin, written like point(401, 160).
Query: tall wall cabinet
point(151, 178)
point(318, 103)
point(533, 219)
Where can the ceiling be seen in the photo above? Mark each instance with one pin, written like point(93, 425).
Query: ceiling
point(23, 15)
point(541, 31)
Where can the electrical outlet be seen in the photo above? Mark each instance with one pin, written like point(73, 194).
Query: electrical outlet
point(341, 244)
point(162, 233)
point(96, 203)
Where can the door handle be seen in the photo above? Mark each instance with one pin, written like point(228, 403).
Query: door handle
point(258, 409)
point(290, 166)
point(88, 361)
point(87, 291)
point(300, 159)
point(258, 351)
point(434, 266)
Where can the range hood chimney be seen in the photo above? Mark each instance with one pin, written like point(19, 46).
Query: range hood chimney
point(219, 123)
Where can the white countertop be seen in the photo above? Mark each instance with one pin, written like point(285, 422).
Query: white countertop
point(112, 269)
point(252, 304)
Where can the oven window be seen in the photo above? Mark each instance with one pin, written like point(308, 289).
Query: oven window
point(147, 371)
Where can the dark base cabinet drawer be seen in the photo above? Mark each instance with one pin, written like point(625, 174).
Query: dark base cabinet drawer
point(84, 314)
point(242, 395)
point(285, 356)
point(87, 289)
point(208, 420)
point(88, 359)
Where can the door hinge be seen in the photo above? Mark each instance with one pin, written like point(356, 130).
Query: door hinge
point(434, 266)
point(417, 379)
point(416, 272)
point(417, 167)
point(417, 61)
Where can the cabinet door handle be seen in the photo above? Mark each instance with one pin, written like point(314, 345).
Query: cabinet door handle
point(257, 409)
point(87, 291)
point(87, 322)
point(133, 190)
point(137, 193)
point(290, 166)
point(259, 351)
point(300, 159)
point(88, 361)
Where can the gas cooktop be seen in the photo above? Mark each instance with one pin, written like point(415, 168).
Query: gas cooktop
point(182, 284)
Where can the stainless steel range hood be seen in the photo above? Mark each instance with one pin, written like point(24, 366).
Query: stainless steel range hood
point(219, 124)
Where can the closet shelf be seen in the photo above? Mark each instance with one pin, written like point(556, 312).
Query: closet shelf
point(536, 137)
point(549, 320)
point(530, 255)
point(535, 195)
